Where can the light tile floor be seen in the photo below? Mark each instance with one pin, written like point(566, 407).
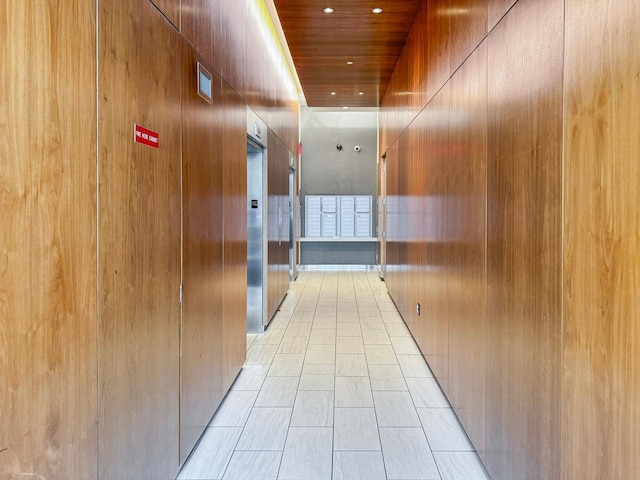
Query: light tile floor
point(335, 389)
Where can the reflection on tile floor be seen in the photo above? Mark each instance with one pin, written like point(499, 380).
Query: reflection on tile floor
point(335, 389)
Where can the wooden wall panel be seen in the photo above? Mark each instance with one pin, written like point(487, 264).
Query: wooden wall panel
point(390, 134)
point(392, 221)
point(285, 230)
point(255, 71)
point(219, 33)
point(524, 173)
point(232, 50)
point(468, 29)
point(202, 273)
point(438, 46)
point(383, 125)
point(170, 9)
point(497, 10)
point(278, 217)
point(139, 243)
point(269, 86)
point(466, 234)
point(416, 50)
point(292, 127)
point(436, 279)
point(234, 182)
point(421, 174)
point(416, 183)
point(284, 227)
point(199, 24)
point(410, 234)
point(390, 124)
point(382, 217)
point(276, 114)
point(47, 240)
point(400, 91)
point(601, 375)
point(402, 215)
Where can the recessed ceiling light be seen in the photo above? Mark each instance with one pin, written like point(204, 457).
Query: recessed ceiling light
point(360, 93)
point(349, 62)
point(377, 10)
point(345, 108)
point(333, 93)
point(328, 10)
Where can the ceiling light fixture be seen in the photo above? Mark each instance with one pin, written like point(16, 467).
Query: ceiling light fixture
point(377, 10)
point(333, 93)
point(360, 93)
point(328, 10)
point(345, 108)
point(349, 62)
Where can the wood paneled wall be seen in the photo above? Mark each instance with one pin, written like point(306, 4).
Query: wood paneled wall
point(465, 232)
point(437, 28)
point(277, 223)
point(236, 38)
point(202, 359)
point(170, 9)
point(524, 266)
point(466, 30)
point(417, 225)
point(234, 299)
point(524, 245)
point(435, 324)
point(497, 10)
point(601, 331)
point(101, 373)
point(391, 221)
point(139, 230)
point(47, 240)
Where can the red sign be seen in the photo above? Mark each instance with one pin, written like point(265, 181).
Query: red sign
point(145, 136)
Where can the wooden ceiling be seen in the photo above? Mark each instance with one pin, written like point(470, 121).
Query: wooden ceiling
point(321, 44)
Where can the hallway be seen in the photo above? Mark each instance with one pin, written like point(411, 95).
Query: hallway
point(335, 389)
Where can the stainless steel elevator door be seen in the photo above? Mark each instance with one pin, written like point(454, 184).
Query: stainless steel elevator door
point(255, 239)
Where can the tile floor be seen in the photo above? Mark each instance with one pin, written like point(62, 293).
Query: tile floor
point(334, 389)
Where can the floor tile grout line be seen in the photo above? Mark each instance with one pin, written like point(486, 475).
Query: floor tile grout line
point(384, 462)
point(233, 452)
point(335, 399)
point(290, 416)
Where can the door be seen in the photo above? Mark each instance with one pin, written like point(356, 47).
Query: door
point(256, 212)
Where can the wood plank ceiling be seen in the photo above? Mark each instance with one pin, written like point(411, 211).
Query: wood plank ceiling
point(322, 44)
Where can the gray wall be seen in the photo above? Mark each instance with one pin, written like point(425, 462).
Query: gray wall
point(326, 170)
